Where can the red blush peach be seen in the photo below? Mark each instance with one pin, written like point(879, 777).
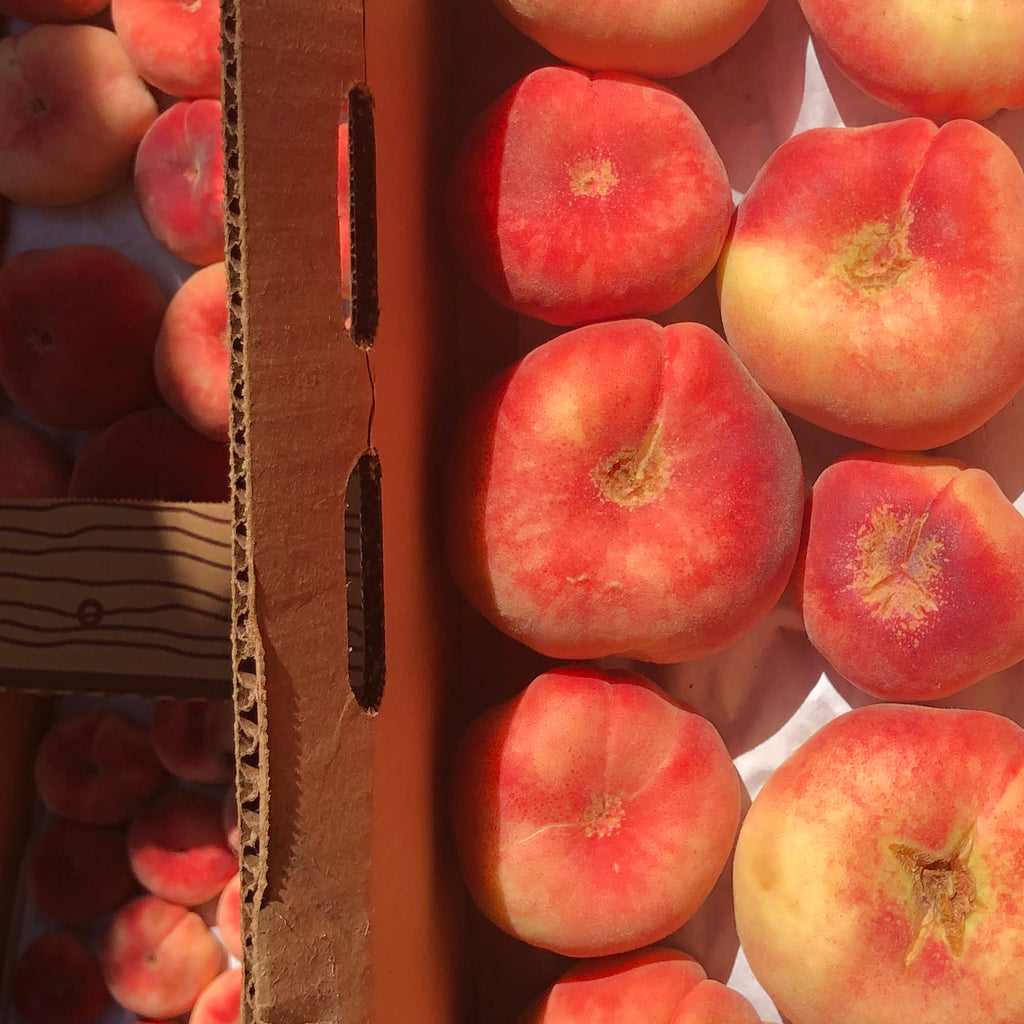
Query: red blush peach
point(229, 916)
point(883, 299)
point(934, 60)
point(221, 1001)
point(72, 112)
point(151, 455)
point(179, 181)
point(592, 814)
point(96, 767)
point(78, 326)
point(624, 489)
point(157, 957)
point(195, 739)
point(177, 848)
point(57, 980)
point(174, 46)
point(660, 38)
point(79, 873)
point(51, 11)
point(579, 197)
point(656, 985)
point(878, 871)
point(31, 465)
point(192, 358)
point(912, 580)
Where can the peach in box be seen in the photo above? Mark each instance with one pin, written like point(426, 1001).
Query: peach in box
point(191, 357)
point(950, 59)
point(96, 767)
point(157, 957)
point(178, 850)
point(624, 489)
point(78, 325)
point(912, 580)
point(592, 813)
point(657, 985)
point(79, 873)
point(152, 454)
point(72, 111)
point(221, 1001)
point(195, 739)
point(57, 980)
point(661, 38)
point(878, 872)
point(31, 464)
point(578, 197)
point(883, 298)
point(175, 46)
point(179, 180)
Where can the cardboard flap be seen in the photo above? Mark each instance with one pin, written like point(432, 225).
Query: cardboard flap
point(119, 589)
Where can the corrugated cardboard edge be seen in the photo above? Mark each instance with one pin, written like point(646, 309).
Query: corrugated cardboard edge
point(302, 400)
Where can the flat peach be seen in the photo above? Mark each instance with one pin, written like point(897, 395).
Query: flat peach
point(624, 489)
point(221, 1001)
point(883, 298)
point(942, 60)
point(229, 916)
point(177, 848)
point(31, 464)
point(79, 873)
point(96, 767)
point(913, 575)
point(195, 739)
point(659, 38)
point(51, 11)
point(562, 215)
point(72, 112)
point(878, 872)
point(192, 357)
point(179, 180)
point(592, 814)
point(78, 327)
point(57, 980)
point(157, 957)
point(644, 986)
point(175, 46)
point(151, 455)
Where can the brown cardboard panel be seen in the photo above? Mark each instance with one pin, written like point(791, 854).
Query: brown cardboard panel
point(303, 401)
point(418, 909)
point(116, 590)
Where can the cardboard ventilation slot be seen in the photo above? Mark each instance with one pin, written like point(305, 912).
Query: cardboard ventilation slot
point(362, 170)
point(364, 582)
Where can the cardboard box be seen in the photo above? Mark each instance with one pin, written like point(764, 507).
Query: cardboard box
point(354, 662)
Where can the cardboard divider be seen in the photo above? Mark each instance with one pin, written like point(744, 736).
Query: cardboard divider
point(303, 397)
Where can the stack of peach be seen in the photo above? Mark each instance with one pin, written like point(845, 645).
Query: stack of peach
point(632, 492)
point(89, 344)
point(137, 857)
